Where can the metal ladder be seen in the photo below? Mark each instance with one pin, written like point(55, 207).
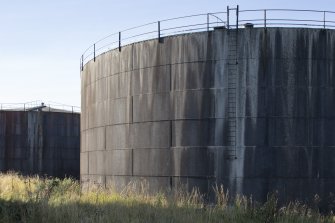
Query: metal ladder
point(232, 68)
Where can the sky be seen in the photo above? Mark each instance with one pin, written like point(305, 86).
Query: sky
point(41, 41)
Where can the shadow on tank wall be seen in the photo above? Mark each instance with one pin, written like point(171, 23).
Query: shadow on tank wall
point(291, 150)
point(37, 142)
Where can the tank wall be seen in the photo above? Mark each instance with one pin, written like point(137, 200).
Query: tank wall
point(158, 111)
point(44, 143)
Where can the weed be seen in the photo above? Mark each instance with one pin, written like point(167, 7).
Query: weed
point(35, 199)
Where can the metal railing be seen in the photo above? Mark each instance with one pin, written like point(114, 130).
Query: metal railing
point(209, 21)
point(45, 106)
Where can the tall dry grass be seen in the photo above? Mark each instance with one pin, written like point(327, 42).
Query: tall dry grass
point(34, 199)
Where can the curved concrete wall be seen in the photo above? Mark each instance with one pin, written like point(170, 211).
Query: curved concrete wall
point(159, 111)
point(44, 143)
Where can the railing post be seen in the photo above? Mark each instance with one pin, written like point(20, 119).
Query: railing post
point(237, 11)
point(227, 17)
point(207, 22)
point(94, 52)
point(159, 31)
point(82, 62)
point(119, 41)
point(324, 19)
point(265, 18)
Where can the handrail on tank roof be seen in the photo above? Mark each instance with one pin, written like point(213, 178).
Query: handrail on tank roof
point(48, 106)
point(264, 18)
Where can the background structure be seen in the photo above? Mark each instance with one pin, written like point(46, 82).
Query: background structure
point(40, 142)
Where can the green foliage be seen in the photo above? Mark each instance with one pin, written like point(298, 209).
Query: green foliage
point(34, 199)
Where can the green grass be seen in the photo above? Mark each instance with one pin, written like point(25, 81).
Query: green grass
point(33, 199)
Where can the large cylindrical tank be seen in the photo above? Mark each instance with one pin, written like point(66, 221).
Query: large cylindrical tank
point(166, 112)
point(40, 142)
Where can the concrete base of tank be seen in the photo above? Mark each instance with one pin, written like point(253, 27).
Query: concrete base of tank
point(158, 111)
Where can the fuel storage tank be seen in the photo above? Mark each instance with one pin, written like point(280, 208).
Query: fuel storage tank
point(44, 141)
point(252, 110)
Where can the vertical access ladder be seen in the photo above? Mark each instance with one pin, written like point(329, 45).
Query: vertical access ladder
point(232, 69)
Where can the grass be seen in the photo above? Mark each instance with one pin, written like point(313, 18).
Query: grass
point(34, 199)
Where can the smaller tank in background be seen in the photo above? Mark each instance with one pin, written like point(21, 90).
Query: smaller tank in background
point(40, 138)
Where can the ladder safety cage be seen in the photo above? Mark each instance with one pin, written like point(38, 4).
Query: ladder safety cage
point(232, 73)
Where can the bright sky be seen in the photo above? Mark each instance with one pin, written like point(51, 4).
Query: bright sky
point(41, 41)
